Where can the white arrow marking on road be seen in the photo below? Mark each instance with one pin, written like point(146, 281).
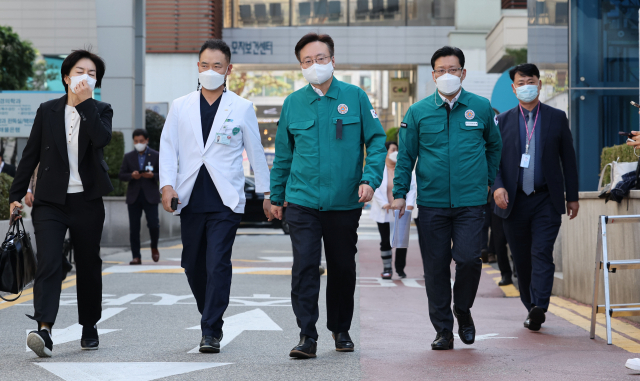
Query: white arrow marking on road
point(74, 332)
point(410, 282)
point(123, 371)
point(486, 336)
point(254, 320)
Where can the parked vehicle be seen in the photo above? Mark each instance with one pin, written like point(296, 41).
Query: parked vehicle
point(253, 213)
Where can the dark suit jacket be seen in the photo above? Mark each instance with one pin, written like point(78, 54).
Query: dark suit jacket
point(47, 145)
point(558, 157)
point(148, 186)
point(9, 169)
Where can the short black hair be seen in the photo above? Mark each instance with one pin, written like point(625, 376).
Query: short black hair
point(313, 37)
point(388, 144)
point(77, 55)
point(216, 44)
point(140, 131)
point(525, 69)
point(446, 51)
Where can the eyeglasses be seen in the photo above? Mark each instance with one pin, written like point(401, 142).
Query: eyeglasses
point(320, 60)
point(440, 72)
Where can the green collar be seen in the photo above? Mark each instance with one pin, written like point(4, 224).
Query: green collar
point(334, 91)
point(463, 99)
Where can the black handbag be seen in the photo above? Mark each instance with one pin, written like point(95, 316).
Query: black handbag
point(17, 260)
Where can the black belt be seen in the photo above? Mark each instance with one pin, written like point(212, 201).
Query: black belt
point(543, 188)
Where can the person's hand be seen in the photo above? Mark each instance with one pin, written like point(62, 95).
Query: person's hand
point(502, 198)
point(28, 199)
point(365, 192)
point(399, 204)
point(636, 139)
point(135, 175)
point(276, 211)
point(83, 91)
point(168, 193)
point(266, 208)
point(572, 209)
point(147, 175)
point(386, 207)
point(409, 207)
point(12, 207)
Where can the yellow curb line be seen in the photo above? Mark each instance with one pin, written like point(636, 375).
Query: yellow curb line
point(28, 294)
point(510, 291)
point(493, 272)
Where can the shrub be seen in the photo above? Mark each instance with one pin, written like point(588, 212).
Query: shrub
point(609, 154)
point(392, 134)
point(5, 186)
point(113, 155)
point(154, 123)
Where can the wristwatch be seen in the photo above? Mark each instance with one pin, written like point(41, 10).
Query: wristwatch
point(267, 196)
point(364, 182)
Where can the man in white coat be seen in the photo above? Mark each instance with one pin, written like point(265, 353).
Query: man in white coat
point(201, 165)
point(384, 216)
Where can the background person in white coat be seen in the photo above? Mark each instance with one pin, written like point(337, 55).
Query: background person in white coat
point(381, 214)
point(206, 132)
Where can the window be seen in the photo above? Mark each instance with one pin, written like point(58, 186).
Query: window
point(430, 12)
point(365, 84)
point(319, 12)
point(548, 12)
point(259, 13)
point(377, 12)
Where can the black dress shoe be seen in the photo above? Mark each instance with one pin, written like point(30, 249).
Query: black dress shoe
point(343, 342)
point(40, 343)
point(89, 340)
point(443, 341)
point(466, 328)
point(210, 344)
point(535, 318)
point(505, 281)
point(305, 349)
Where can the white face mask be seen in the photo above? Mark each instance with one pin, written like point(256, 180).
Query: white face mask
point(140, 147)
point(78, 78)
point(448, 84)
point(393, 156)
point(212, 80)
point(318, 74)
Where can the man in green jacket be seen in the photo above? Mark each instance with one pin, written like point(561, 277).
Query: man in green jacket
point(455, 136)
point(318, 170)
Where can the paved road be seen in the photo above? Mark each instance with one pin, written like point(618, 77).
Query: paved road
point(148, 315)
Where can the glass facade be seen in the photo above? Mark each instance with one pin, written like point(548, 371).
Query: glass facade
point(604, 78)
point(274, 13)
point(548, 12)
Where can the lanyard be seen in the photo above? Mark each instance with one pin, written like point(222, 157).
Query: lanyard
point(529, 136)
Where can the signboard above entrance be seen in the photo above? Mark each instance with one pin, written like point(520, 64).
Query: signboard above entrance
point(18, 110)
point(399, 90)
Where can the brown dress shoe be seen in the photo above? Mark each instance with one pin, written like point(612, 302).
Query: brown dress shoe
point(155, 255)
point(136, 261)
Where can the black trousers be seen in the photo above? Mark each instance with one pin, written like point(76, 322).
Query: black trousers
point(385, 245)
point(338, 230)
point(531, 230)
point(498, 246)
point(443, 227)
point(153, 223)
point(485, 244)
point(207, 240)
point(85, 220)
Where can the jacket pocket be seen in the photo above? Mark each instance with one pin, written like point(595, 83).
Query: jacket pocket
point(472, 135)
point(304, 136)
point(430, 134)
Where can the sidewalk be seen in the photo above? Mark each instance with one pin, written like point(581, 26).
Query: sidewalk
point(396, 334)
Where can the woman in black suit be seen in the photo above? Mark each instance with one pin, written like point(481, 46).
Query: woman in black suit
point(67, 139)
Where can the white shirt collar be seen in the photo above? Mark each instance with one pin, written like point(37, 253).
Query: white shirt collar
point(318, 91)
point(453, 101)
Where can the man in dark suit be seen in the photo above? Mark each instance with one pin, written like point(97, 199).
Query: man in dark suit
point(7, 168)
point(538, 165)
point(140, 169)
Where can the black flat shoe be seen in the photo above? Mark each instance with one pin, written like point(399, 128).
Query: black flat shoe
point(305, 349)
point(505, 281)
point(466, 328)
point(443, 341)
point(89, 340)
point(40, 343)
point(535, 318)
point(343, 342)
point(210, 344)
point(401, 274)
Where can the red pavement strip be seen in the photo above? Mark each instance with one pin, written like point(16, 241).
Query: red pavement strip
point(396, 335)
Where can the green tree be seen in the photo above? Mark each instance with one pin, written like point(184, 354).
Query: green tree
point(250, 84)
point(519, 56)
point(42, 73)
point(16, 60)
point(154, 123)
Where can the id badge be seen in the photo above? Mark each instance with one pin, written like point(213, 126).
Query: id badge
point(524, 162)
point(149, 168)
point(222, 138)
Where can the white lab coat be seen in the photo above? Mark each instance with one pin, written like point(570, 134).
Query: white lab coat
point(380, 198)
point(182, 143)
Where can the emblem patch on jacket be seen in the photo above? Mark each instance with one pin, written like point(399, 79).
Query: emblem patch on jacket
point(235, 131)
point(495, 119)
point(342, 109)
point(469, 114)
point(403, 125)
